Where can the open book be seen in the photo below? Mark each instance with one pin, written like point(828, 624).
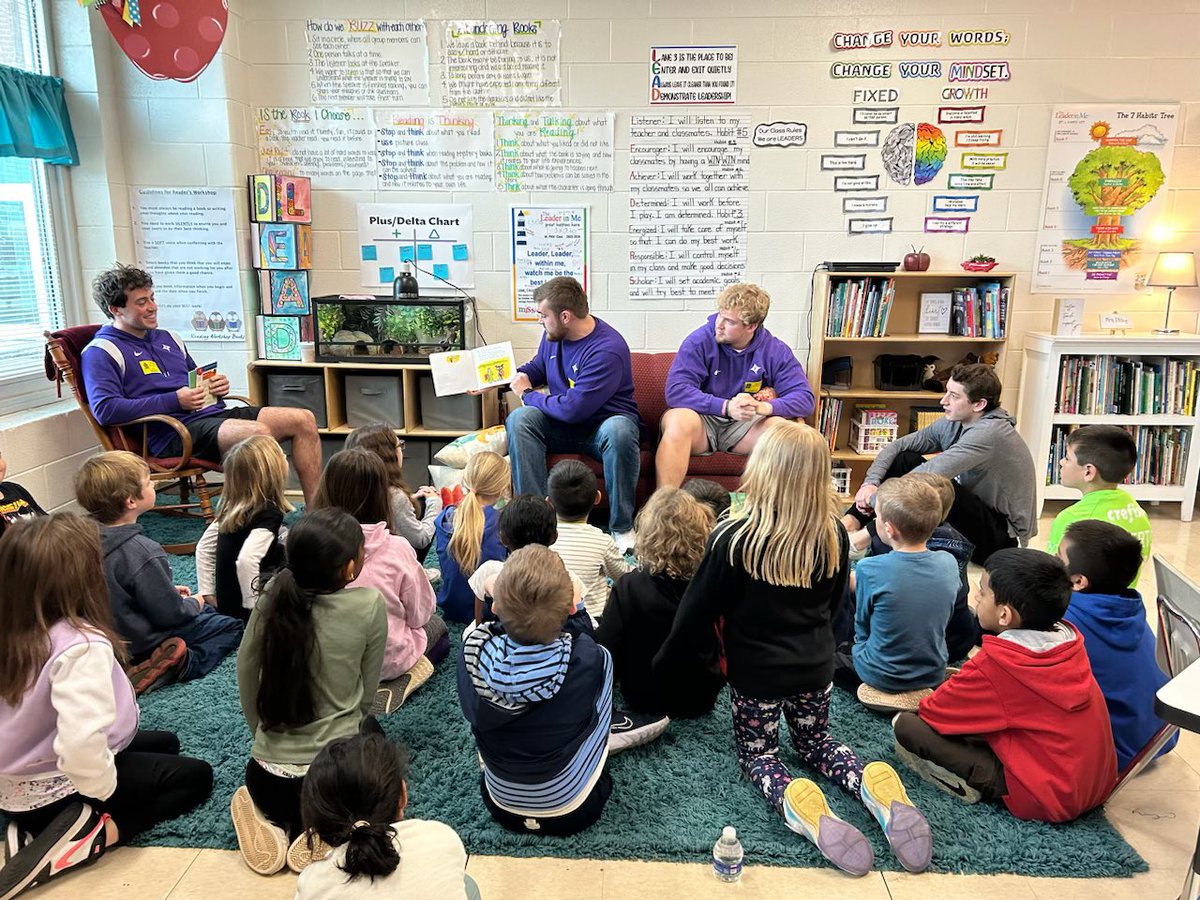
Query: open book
point(202, 376)
point(459, 371)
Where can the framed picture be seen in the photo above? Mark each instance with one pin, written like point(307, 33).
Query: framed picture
point(935, 314)
point(1068, 316)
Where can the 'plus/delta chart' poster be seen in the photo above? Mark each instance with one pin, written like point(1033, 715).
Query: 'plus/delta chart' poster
point(1106, 170)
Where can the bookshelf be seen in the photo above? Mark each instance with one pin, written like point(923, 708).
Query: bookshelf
point(1147, 383)
point(885, 310)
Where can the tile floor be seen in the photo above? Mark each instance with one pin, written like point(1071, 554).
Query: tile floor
point(1157, 814)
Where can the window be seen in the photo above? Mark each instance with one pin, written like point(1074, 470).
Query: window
point(31, 295)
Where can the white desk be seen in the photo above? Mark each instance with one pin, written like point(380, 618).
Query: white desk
point(1178, 702)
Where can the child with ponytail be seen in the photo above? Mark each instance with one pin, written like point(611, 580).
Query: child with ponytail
point(354, 800)
point(413, 512)
point(308, 669)
point(468, 534)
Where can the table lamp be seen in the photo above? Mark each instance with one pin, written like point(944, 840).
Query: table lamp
point(1172, 270)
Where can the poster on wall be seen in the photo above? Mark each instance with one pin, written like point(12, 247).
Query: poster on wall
point(435, 238)
point(334, 146)
point(357, 61)
point(699, 74)
point(185, 238)
point(433, 149)
point(554, 151)
point(510, 63)
point(689, 177)
point(547, 241)
point(1105, 183)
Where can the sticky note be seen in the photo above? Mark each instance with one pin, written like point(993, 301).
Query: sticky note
point(424, 251)
point(369, 252)
point(406, 253)
point(460, 252)
point(387, 274)
point(441, 270)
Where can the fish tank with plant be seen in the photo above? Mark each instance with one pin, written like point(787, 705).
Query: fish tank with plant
point(368, 328)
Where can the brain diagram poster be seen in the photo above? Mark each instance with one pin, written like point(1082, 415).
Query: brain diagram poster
point(1106, 172)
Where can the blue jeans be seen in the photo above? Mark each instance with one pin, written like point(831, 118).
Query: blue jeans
point(616, 443)
point(210, 637)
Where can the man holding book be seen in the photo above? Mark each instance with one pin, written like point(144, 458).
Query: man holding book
point(133, 368)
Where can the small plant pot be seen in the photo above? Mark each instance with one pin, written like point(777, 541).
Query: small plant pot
point(979, 267)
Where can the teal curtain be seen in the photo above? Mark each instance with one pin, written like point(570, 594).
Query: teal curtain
point(33, 118)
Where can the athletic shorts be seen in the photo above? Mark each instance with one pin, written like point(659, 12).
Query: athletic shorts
point(724, 433)
point(204, 433)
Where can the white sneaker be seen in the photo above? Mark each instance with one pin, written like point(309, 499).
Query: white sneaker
point(624, 540)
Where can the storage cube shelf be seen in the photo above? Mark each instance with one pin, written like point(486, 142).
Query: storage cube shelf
point(1145, 383)
point(841, 481)
point(871, 438)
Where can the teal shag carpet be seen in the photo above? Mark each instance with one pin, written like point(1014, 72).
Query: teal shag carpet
point(670, 799)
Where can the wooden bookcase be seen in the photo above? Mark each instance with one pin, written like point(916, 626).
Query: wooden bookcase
point(1039, 417)
point(900, 337)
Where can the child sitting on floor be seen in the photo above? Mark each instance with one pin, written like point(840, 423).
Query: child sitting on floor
point(414, 513)
point(1101, 558)
point(586, 550)
point(711, 494)
point(1024, 721)
point(307, 671)
point(672, 529)
point(16, 503)
point(243, 546)
point(903, 599)
point(1097, 459)
point(355, 481)
point(354, 799)
point(172, 635)
point(76, 775)
point(467, 533)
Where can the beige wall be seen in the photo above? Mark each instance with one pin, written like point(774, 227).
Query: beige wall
point(134, 131)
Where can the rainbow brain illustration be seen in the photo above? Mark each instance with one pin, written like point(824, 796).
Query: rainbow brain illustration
point(914, 153)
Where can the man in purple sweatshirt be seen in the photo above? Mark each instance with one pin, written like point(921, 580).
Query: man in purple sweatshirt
point(133, 368)
point(589, 409)
point(729, 376)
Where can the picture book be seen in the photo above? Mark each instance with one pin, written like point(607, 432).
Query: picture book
point(460, 371)
point(202, 376)
point(284, 292)
point(278, 337)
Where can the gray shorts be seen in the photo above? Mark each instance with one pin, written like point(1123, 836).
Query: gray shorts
point(724, 433)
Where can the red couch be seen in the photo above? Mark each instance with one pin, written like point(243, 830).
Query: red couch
point(649, 392)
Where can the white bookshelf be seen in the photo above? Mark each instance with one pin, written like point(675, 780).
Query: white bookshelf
point(1036, 415)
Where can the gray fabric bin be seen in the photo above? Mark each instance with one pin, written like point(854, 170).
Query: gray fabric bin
point(460, 412)
point(372, 399)
point(299, 390)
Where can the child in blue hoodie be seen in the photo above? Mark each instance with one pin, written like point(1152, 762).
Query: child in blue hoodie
point(537, 692)
point(1102, 559)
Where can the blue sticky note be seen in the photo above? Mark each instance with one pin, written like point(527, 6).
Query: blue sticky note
point(406, 253)
point(441, 270)
point(369, 252)
point(424, 251)
point(387, 274)
point(460, 252)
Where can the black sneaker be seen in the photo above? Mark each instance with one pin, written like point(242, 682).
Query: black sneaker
point(75, 837)
point(631, 729)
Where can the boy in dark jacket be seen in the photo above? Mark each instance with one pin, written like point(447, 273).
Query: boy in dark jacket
point(1102, 559)
point(172, 635)
point(16, 503)
point(1024, 721)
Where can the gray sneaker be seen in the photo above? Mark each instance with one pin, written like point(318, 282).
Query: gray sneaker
point(939, 777)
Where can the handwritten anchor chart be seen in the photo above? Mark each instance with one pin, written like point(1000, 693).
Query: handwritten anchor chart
point(435, 237)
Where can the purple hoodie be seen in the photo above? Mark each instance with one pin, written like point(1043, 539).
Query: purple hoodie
point(705, 374)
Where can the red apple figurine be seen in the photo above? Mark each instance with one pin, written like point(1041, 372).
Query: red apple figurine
point(177, 38)
point(917, 261)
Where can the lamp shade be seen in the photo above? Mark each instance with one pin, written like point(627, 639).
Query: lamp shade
point(1174, 270)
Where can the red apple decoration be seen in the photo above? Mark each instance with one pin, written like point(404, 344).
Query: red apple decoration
point(176, 39)
point(917, 261)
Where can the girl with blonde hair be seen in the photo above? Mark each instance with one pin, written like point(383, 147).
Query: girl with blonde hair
point(771, 579)
point(244, 545)
point(413, 512)
point(468, 534)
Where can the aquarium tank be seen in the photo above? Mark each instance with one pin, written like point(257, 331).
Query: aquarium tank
point(371, 328)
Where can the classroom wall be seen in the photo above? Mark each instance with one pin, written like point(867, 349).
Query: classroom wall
point(135, 131)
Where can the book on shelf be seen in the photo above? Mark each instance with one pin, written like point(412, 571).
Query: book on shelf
point(923, 416)
point(1162, 453)
point(828, 417)
point(980, 311)
point(1116, 385)
point(860, 307)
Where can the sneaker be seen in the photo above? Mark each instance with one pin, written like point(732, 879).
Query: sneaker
point(390, 695)
point(939, 777)
point(905, 828)
point(264, 846)
point(75, 837)
point(164, 666)
point(630, 729)
point(882, 701)
point(624, 541)
point(300, 855)
point(14, 840)
point(807, 812)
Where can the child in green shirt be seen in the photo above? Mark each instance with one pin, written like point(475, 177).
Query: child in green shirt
point(1097, 459)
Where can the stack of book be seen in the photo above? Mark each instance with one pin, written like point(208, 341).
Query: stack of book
point(1162, 453)
point(980, 311)
point(281, 247)
point(828, 417)
point(859, 307)
point(1149, 386)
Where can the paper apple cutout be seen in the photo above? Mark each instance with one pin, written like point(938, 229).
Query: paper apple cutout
point(177, 38)
point(917, 261)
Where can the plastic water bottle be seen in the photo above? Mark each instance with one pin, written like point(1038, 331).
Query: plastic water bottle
point(727, 855)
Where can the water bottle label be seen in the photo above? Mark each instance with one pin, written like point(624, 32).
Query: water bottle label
point(727, 868)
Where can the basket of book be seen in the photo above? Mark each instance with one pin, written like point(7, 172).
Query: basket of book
point(873, 428)
point(841, 481)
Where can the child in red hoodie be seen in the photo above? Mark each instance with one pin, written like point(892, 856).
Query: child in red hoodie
point(1024, 721)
